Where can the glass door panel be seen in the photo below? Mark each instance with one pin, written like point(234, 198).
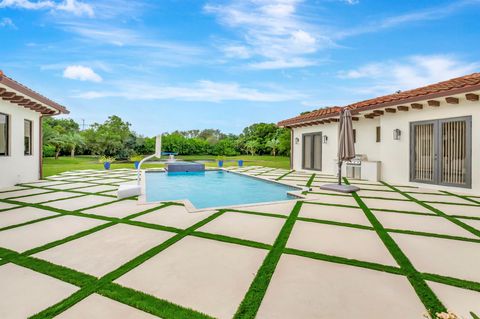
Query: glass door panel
point(317, 152)
point(441, 152)
point(312, 151)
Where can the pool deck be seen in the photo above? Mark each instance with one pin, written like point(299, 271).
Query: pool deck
point(70, 249)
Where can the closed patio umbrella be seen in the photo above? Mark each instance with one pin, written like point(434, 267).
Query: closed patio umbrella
point(346, 151)
point(346, 146)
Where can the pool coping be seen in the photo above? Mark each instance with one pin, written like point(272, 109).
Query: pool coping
point(142, 199)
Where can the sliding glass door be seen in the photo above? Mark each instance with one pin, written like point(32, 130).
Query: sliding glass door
point(312, 151)
point(440, 152)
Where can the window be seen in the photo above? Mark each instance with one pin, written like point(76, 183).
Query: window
point(354, 136)
point(27, 137)
point(378, 135)
point(4, 118)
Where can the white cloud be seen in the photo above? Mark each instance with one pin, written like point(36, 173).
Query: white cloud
point(26, 4)
point(7, 22)
point(428, 14)
point(71, 6)
point(237, 51)
point(201, 91)
point(125, 37)
point(82, 73)
point(408, 73)
point(76, 7)
point(272, 32)
point(139, 47)
point(283, 64)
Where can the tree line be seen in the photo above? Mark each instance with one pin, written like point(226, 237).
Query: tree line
point(115, 138)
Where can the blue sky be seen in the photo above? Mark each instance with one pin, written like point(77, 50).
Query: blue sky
point(185, 64)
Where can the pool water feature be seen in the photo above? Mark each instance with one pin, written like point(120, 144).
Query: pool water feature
point(216, 188)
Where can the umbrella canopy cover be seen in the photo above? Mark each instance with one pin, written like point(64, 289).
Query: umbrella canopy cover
point(346, 146)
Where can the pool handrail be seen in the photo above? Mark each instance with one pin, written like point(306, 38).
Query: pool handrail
point(158, 154)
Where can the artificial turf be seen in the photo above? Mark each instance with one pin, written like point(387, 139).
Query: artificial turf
point(249, 306)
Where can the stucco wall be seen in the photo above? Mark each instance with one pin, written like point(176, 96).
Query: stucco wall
point(17, 167)
point(329, 149)
point(395, 155)
point(366, 138)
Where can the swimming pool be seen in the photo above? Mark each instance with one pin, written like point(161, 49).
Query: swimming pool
point(213, 188)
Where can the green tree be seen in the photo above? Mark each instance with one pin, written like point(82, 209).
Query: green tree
point(252, 147)
point(261, 133)
point(57, 134)
point(284, 146)
point(73, 141)
point(53, 138)
point(112, 138)
point(274, 143)
point(225, 147)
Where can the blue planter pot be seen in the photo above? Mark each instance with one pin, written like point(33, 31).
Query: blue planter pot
point(106, 165)
point(240, 163)
point(136, 163)
point(220, 163)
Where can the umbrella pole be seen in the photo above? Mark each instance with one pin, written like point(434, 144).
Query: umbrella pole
point(340, 172)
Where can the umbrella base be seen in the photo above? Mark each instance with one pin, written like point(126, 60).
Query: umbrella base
point(340, 188)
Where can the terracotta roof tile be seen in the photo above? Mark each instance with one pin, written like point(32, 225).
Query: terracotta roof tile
point(458, 85)
point(464, 83)
point(314, 115)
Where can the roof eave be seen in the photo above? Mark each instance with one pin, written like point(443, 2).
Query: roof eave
point(6, 81)
point(417, 98)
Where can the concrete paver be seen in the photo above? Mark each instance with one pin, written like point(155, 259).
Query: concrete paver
point(98, 307)
point(105, 250)
point(205, 275)
point(453, 258)
point(307, 288)
point(340, 241)
point(24, 292)
point(245, 226)
point(44, 232)
point(22, 215)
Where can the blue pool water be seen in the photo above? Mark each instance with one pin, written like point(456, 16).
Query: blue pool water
point(213, 188)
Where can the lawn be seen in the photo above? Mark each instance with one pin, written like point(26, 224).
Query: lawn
point(52, 166)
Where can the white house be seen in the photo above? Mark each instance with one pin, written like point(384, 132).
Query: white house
point(426, 137)
point(21, 113)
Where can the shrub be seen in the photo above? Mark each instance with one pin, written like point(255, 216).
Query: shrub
point(105, 159)
point(48, 151)
point(135, 158)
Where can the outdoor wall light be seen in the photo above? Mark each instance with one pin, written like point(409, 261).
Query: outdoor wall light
point(396, 134)
point(297, 140)
point(325, 139)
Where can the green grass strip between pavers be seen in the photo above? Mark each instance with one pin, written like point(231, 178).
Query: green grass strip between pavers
point(463, 197)
point(256, 292)
point(30, 222)
point(108, 278)
point(158, 307)
point(59, 272)
point(424, 292)
point(310, 180)
point(344, 261)
point(454, 220)
point(232, 240)
point(433, 235)
point(284, 175)
point(456, 282)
